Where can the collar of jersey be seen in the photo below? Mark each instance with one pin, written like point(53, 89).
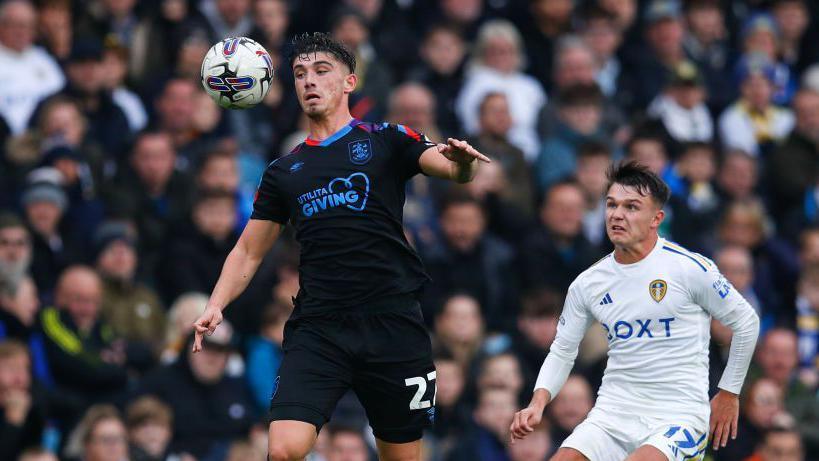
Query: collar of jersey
point(639, 264)
point(334, 137)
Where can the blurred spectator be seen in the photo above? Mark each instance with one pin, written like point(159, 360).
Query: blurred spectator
point(450, 409)
point(547, 21)
point(647, 69)
point(648, 149)
point(536, 329)
point(797, 47)
point(107, 123)
point(176, 111)
point(576, 66)
point(501, 371)
point(695, 204)
point(150, 424)
point(737, 264)
point(367, 101)
point(570, 407)
point(807, 325)
point(459, 328)
point(486, 439)
point(210, 409)
point(738, 176)
point(44, 204)
point(746, 224)
point(15, 250)
point(152, 193)
point(442, 54)
point(681, 107)
point(761, 35)
point(780, 444)
point(496, 65)
point(413, 104)
point(85, 357)
point(792, 168)
point(37, 454)
point(346, 444)
point(495, 122)
point(181, 315)
point(264, 353)
point(219, 170)
point(29, 72)
point(131, 308)
point(579, 113)
point(100, 436)
point(472, 261)
point(227, 18)
point(56, 30)
point(22, 416)
point(593, 160)
point(194, 260)
point(753, 123)
point(114, 18)
point(271, 19)
point(707, 45)
point(115, 69)
point(600, 31)
point(535, 447)
point(18, 309)
point(557, 251)
point(761, 409)
point(465, 15)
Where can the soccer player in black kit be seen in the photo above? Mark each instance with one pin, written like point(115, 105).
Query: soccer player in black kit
point(356, 321)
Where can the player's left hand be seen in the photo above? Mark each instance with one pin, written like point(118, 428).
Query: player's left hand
point(461, 152)
point(724, 416)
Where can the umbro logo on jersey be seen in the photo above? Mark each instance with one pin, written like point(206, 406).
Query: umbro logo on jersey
point(606, 300)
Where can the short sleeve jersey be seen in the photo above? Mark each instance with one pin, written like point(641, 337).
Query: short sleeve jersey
point(344, 196)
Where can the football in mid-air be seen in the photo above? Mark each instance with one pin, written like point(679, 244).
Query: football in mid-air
point(237, 73)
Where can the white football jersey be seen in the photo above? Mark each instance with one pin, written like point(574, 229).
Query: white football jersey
point(657, 314)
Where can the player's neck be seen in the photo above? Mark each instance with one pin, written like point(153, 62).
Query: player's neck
point(324, 127)
point(637, 252)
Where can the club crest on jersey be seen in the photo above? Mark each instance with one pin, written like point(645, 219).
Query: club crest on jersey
point(657, 289)
point(360, 151)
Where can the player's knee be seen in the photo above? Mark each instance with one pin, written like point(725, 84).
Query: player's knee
point(278, 450)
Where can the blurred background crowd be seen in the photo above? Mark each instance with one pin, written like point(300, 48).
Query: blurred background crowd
point(123, 187)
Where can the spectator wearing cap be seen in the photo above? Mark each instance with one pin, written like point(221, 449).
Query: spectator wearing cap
point(753, 123)
point(497, 64)
point(210, 408)
point(681, 108)
point(761, 35)
point(706, 43)
point(107, 123)
point(648, 69)
point(794, 165)
point(28, 72)
point(133, 310)
point(44, 205)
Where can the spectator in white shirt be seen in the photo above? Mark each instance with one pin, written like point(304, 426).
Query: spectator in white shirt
point(28, 73)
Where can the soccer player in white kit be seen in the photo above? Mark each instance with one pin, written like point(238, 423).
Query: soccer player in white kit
point(655, 300)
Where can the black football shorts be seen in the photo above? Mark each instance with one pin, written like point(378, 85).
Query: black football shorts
point(382, 351)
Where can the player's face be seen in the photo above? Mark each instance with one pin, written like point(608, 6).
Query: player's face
point(630, 216)
point(322, 83)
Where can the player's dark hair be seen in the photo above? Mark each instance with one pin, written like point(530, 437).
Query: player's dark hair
point(636, 175)
point(319, 42)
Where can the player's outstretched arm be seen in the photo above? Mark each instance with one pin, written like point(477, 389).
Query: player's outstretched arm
point(454, 160)
point(525, 420)
point(240, 266)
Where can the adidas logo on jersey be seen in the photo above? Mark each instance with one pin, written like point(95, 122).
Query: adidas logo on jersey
point(606, 300)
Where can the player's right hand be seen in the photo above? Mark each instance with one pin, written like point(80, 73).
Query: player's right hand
point(524, 422)
point(206, 323)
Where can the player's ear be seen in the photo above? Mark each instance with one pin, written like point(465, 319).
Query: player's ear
point(658, 218)
point(350, 82)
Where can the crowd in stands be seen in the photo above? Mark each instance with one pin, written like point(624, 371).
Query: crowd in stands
point(123, 187)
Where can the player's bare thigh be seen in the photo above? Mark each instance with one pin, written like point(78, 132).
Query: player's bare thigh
point(410, 451)
point(290, 440)
point(568, 454)
point(647, 453)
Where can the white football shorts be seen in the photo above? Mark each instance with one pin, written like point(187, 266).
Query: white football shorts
point(611, 436)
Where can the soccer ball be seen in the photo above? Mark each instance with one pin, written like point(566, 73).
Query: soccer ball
point(237, 73)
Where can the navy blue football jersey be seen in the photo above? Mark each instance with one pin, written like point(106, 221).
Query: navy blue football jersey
point(344, 196)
